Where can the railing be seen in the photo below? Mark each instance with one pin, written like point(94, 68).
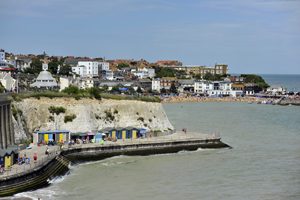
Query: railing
point(19, 170)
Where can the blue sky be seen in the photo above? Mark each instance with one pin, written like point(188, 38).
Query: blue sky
point(251, 36)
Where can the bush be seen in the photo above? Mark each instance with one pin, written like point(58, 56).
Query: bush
point(69, 118)
point(140, 119)
point(116, 111)
point(109, 116)
point(56, 110)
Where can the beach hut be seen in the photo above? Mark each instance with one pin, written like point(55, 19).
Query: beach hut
point(8, 157)
point(53, 137)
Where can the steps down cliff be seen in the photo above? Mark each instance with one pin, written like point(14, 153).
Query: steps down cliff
point(87, 115)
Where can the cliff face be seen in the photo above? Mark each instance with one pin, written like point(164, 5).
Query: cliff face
point(90, 114)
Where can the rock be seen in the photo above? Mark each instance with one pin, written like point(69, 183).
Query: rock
point(92, 114)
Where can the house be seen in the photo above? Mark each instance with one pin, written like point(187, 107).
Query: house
point(166, 82)
point(251, 89)
point(216, 88)
point(89, 68)
point(186, 85)
point(7, 81)
point(155, 85)
point(2, 58)
point(22, 63)
point(219, 69)
point(276, 90)
point(143, 73)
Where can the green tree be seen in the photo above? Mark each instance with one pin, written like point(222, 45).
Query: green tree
point(53, 65)
point(209, 76)
point(139, 90)
point(65, 70)
point(252, 78)
point(164, 72)
point(35, 66)
point(122, 65)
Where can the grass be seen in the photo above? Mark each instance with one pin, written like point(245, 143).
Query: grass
point(80, 95)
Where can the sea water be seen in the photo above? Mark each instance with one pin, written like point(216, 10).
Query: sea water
point(263, 164)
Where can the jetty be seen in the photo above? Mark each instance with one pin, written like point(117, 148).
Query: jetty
point(58, 162)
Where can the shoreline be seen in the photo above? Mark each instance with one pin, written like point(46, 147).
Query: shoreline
point(193, 99)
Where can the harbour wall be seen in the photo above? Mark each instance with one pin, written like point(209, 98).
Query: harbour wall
point(59, 165)
point(140, 149)
point(34, 179)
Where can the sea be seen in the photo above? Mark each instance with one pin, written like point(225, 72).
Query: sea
point(263, 164)
point(291, 81)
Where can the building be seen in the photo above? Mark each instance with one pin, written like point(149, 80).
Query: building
point(155, 85)
point(219, 69)
point(216, 88)
point(88, 68)
point(22, 63)
point(186, 85)
point(166, 82)
point(143, 73)
point(44, 79)
point(7, 81)
point(202, 87)
point(276, 90)
point(8, 150)
point(2, 58)
point(104, 66)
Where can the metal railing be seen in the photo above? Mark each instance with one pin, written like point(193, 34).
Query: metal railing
point(24, 168)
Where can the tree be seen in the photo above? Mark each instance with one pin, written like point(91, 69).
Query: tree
point(65, 70)
point(122, 65)
point(252, 78)
point(139, 90)
point(173, 89)
point(164, 72)
point(52, 67)
point(35, 66)
point(209, 76)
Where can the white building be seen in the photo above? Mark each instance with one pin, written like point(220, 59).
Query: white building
point(44, 79)
point(144, 73)
point(156, 85)
point(201, 87)
point(22, 63)
point(87, 69)
point(274, 89)
point(7, 81)
point(104, 66)
point(216, 88)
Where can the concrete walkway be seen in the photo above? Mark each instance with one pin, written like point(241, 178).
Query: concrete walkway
point(42, 159)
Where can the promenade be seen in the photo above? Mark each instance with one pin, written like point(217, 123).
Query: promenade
point(42, 159)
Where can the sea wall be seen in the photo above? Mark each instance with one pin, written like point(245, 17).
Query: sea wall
point(140, 149)
point(34, 179)
point(91, 114)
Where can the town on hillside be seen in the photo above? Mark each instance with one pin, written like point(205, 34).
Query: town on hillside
point(164, 78)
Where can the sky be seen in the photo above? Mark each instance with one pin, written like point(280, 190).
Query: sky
point(251, 36)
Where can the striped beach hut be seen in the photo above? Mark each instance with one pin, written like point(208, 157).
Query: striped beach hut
point(8, 157)
point(54, 136)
